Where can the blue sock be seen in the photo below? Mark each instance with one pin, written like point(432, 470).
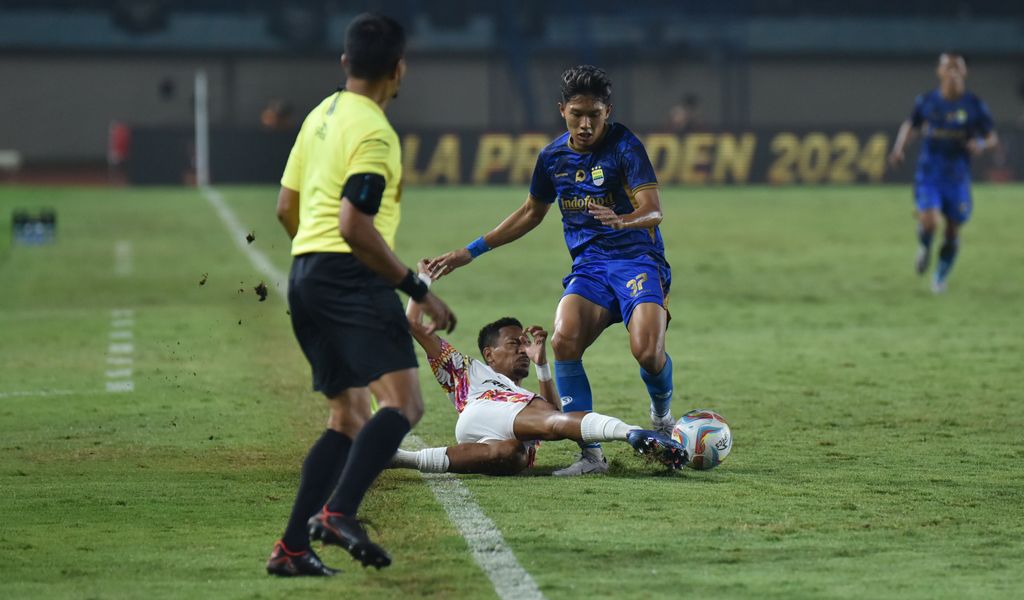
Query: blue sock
point(659, 387)
point(574, 387)
point(947, 255)
point(925, 237)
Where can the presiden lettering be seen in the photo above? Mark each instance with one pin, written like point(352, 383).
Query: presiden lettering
point(778, 157)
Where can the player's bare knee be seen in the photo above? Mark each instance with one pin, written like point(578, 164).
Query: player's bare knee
point(346, 416)
point(414, 412)
point(400, 390)
point(348, 423)
point(557, 426)
point(650, 357)
point(410, 406)
point(336, 424)
point(929, 220)
point(566, 346)
point(509, 457)
point(414, 407)
point(519, 462)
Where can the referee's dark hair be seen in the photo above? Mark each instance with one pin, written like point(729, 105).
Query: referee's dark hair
point(489, 334)
point(373, 44)
point(586, 80)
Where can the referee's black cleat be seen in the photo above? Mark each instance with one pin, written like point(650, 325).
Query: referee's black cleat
point(285, 563)
point(345, 531)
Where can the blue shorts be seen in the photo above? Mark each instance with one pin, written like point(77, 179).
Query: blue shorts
point(951, 199)
point(620, 285)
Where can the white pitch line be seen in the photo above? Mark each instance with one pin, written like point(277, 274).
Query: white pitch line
point(121, 386)
point(510, 580)
point(111, 386)
point(121, 322)
point(491, 553)
point(238, 233)
point(124, 263)
point(39, 393)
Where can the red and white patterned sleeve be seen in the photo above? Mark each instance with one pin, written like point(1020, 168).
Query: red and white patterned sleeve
point(451, 369)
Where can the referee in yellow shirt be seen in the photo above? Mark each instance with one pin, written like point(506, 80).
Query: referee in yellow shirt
point(339, 202)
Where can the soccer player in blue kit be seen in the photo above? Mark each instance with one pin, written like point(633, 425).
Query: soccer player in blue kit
point(602, 180)
point(956, 124)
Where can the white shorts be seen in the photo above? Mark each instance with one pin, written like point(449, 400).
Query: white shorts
point(486, 420)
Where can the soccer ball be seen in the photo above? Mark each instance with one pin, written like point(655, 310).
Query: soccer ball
point(706, 436)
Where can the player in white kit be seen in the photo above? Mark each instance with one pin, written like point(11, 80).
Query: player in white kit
point(499, 420)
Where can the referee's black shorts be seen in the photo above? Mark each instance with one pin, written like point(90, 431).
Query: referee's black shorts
point(348, 320)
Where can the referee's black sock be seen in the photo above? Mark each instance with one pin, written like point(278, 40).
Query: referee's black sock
point(319, 474)
point(371, 451)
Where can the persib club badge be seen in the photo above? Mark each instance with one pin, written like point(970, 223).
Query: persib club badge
point(597, 174)
point(961, 116)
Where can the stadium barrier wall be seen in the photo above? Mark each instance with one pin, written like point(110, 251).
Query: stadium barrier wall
point(842, 156)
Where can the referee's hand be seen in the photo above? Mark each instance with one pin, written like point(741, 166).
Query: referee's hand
point(441, 316)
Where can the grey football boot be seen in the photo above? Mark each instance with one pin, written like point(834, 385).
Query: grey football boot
point(663, 425)
point(591, 462)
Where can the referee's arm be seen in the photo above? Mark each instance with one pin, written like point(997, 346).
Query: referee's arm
point(367, 244)
point(288, 210)
point(355, 223)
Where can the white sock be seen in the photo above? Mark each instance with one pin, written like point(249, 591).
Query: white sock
point(596, 427)
point(432, 460)
point(428, 460)
point(403, 459)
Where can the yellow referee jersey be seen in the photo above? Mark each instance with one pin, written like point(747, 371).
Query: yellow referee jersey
point(345, 135)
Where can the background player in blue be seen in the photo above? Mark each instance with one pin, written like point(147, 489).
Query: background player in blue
point(602, 180)
point(955, 124)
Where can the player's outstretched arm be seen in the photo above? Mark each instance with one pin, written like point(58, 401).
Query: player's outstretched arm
point(647, 213)
point(288, 210)
point(905, 134)
point(430, 342)
point(515, 226)
point(356, 226)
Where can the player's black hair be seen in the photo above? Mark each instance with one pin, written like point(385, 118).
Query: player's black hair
point(586, 80)
point(489, 334)
point(373, 45)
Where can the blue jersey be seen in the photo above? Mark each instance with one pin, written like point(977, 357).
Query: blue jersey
point(948, 125)
point(609, 175)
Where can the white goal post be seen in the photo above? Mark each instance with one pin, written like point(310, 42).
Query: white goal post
point(202, 123)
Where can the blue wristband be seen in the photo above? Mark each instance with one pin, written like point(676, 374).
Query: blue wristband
point(477, 247)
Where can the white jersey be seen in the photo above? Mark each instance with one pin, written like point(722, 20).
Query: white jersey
point(467, 380)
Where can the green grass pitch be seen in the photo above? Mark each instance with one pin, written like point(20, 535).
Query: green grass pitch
point(878, 427)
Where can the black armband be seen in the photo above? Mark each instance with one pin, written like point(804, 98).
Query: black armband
point(414, 286)
point(364, 191)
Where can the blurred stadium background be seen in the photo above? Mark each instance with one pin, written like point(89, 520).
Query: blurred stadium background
point(776, 91)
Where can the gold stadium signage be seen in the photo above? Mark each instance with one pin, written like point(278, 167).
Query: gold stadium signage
point(777, 157)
